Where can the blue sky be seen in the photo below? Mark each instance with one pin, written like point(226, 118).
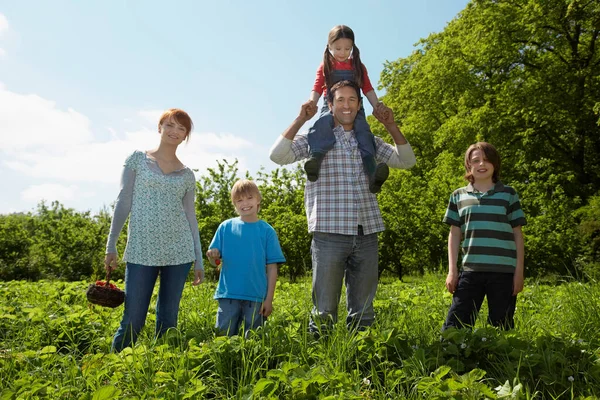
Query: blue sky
point(82, 83)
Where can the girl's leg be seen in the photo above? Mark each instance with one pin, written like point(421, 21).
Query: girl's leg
point(139, 283)
point(172, 281)
point(466, 301)
point(364, 136)
point(377, 173)
point(501, 302)
point(229, 317)
point(320, 140)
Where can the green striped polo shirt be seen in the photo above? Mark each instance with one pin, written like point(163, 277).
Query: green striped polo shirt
point(486, 221)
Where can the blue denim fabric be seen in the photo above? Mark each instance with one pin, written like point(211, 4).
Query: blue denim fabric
point(467, 299)
point(139, 284)
point(320, 136)
point(233, 312)
point(343, 257)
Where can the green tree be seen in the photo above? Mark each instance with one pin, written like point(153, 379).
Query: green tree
point(524, 76)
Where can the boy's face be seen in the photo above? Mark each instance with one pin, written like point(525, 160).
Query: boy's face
point(247, 205)
point(481, 168)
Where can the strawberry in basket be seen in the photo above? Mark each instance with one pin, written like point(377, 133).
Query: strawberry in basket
point(105, 293)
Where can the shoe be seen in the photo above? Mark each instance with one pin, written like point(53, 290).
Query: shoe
point(382, 171)
point(312, 166)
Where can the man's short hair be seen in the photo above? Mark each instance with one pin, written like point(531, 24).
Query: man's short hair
point(339, 85)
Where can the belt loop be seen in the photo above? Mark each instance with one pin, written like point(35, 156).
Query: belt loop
point(360, 230)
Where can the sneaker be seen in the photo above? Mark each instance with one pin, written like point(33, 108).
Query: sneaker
point(382, 171)
point(312, 167)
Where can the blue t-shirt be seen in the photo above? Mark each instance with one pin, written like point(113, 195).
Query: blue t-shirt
point(246, 248)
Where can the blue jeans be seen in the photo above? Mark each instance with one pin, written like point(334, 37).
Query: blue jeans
point(352, 258)
point(467, 299)
point(139, 284)
point(232, 312)
point(321, 137)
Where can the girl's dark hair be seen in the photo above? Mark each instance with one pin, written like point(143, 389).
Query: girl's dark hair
point(491, 155)
point(341, 32)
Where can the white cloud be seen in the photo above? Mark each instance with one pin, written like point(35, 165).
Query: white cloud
point(2, 52)
point(151, 116)
point(3, 24)
point(39, 140)
point(30, 121)
point(50, 192)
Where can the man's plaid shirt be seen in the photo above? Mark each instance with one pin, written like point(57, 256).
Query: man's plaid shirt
point(340, 199)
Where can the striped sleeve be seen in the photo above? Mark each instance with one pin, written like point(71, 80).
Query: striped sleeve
point(451, 217)
point(515, 215)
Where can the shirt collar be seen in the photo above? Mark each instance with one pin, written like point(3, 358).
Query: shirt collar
point(498, 187)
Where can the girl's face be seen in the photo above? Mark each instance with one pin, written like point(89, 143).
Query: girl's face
point(341, 49)
point(172, 132)
point(481, 168)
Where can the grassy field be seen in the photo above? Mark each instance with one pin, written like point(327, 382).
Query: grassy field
point(53, 344)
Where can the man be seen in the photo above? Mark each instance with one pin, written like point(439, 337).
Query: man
point(342, 214)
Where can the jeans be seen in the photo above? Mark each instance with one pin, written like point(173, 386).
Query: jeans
point(321, 138)
point(468, 297)
point(352, 258)
point(139, 284)
point(233, 312)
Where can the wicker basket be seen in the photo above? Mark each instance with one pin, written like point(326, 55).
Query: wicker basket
point(104, 295)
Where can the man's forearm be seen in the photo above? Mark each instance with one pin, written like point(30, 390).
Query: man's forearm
point(395, 133)
point(293, 129)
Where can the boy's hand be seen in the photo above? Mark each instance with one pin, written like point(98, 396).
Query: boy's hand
point(198, 277)
point(213, 254)
point(518, 283)
point(452, 282)
point(266, 308)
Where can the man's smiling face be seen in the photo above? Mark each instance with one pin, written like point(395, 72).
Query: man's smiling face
point(345, 106)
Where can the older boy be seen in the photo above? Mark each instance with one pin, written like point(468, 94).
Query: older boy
point(250, 251)
point(488, 216)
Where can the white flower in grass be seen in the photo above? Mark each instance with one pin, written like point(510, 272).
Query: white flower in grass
point(463, 346)
point(366, 381)
point(483, 339)
point(571, 379)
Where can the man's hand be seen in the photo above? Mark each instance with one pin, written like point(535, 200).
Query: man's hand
point(198, 277)
point(307, 111)
point(110, 262)
point(266, 308)
point(452, 282)
point(384, 114)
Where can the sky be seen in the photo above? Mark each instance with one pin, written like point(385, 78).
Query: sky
point(83, 83)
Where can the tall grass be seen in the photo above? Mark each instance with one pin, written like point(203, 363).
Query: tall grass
point(54, 345)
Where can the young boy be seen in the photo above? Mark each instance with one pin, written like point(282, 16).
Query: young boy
point(248, 250)
point(488, 216)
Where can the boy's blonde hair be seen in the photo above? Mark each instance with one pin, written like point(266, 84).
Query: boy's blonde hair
point(245, 187)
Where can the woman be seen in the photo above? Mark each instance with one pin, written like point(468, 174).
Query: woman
point(157, 193)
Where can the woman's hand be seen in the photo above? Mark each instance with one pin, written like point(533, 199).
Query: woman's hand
point(198, 277)
point(110, 262)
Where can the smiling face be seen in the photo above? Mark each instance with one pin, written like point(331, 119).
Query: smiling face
point(246, 205)
point(480, 168)
point(345, 106)
point(341, 49)
point(172, 132)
